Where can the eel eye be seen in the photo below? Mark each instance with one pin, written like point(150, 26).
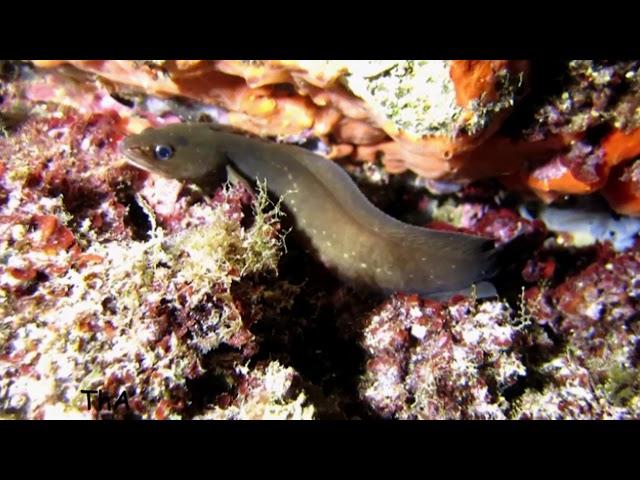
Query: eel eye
point(163, 152)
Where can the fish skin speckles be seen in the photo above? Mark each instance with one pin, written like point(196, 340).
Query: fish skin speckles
point(324, 202)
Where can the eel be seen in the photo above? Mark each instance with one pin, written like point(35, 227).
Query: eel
point(348, 234)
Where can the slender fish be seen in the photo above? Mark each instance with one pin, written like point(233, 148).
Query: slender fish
point(330, 214)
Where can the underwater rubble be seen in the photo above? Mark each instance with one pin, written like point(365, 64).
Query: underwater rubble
point(127, 295)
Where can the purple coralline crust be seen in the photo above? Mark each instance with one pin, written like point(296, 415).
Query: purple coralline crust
point(593, 316)
point(585, 162)
point(588, 94)
point(504, 225)
point(632, 174)
point(100, 284)
point(266, 392)
point(65, 154)
point(570, 350)
point(431, 360)
point(602, 296)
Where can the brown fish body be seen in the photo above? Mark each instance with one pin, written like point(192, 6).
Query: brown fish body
point(342, 228)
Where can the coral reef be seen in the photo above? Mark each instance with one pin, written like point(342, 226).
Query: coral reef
point(589, 93)
point(442, 119)
point(290, 98)
point(265, 393)
point(435, 361)
point(567, 352)
point(593, 318)
point(194, 304)
point(593, 106)
point(96, 292)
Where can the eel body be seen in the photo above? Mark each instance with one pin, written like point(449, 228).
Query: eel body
point(343, 229)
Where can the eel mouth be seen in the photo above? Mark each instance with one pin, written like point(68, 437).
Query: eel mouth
point(136, 155)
